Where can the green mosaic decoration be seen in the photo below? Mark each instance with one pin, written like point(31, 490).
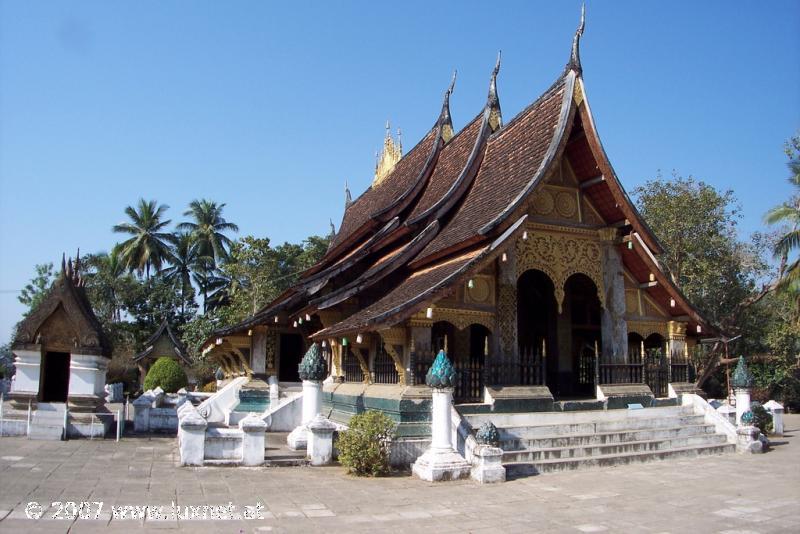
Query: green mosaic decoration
point(742, 377)
point(442, 374)
point(747, 418)
point(488, 435)
point(313, 366)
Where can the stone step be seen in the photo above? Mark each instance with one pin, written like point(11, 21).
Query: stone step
point(601, 438)
point(46, 432)
point(575, 417)
point(548, 466)
point(612, 449)
point(599, 426)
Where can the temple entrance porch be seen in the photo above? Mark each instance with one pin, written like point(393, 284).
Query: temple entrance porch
point(567, 342)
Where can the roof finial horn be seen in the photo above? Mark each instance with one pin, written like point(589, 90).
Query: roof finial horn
point(575, 56)
point(445, 120)
point(493, 104)
point(347, 198)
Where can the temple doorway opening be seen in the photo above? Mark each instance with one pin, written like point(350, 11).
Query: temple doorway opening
point(291, 352)
point(537, 317)
point(55, 377)
point(582, 307)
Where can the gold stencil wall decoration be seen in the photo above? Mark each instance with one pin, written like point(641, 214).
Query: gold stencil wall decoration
point(507, 315)
point(560, 256)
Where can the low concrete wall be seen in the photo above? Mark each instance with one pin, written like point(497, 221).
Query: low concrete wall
point(13, 427)
point(409, 406)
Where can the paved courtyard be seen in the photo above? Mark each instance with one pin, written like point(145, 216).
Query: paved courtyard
point(728, 493)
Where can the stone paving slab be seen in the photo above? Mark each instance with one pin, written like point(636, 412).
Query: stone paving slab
point(719, 494)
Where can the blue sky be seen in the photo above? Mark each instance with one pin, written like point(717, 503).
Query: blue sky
point(270, 107)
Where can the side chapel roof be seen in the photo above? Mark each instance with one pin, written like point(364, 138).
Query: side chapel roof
point(79, 330)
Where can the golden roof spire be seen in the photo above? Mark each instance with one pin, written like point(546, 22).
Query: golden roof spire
point(388, 157)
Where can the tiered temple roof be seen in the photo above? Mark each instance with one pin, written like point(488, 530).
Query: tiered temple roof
point(64, 319)
point(454, 202)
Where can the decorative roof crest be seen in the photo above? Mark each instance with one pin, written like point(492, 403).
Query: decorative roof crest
point(493, 102)
point(445, 121)
point(347, 198)
point(575, 56)
point(389, 156)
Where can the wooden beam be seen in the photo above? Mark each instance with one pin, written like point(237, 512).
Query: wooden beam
point(621, 224)
point(648, 285)
point(592, 181)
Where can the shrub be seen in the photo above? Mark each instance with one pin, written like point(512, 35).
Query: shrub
point(211, 387)
point(167, 374)
point(761, 417)
point(364, 447)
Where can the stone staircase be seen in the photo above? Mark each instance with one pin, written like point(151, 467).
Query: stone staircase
point(535, 443)
point(47, 422)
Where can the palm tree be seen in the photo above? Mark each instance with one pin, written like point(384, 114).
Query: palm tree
point(183, 262)
point(789, 213)
point(149, 244)
point(208, 229)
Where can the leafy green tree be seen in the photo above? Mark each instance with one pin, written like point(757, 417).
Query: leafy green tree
point(148, 245)
point(167, 374)
point(107, 281)
point(788, 215)
point(696, 225)
point(208, 228)
point(34, 292)
point(6, 361)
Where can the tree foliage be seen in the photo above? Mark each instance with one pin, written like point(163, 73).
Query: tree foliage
point(167, 374)
point(696, 225)
point(34, 292)
point(148, 246)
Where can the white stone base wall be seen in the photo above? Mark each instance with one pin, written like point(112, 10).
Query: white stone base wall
point(404, 451)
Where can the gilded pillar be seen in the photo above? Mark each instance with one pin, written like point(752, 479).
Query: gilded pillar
point(506, 318)
point(258, 350)
point(677, 349)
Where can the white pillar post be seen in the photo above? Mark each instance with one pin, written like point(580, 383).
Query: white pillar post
point(742, 403)
point(313, 370)
point(320, 440)
point(441, 419)
point(253, 429)
point(192, 428)
point(441, 461)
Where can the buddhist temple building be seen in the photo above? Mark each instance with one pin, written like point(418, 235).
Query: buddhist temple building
point(510, 243)
point(162, 344)
point(61, 352)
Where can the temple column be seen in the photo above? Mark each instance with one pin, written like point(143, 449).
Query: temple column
point(676, 344)
point(506, 317)
point(420, 341)
point(258, 350)
point(614, 329)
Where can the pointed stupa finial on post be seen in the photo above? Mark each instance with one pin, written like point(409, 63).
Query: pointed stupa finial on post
point(64, 263)
point(69, 268)
point(391, 153)
point(493, 102)
point(333, 228)
point(445, 120)
point(347, 198)
point(575, 56)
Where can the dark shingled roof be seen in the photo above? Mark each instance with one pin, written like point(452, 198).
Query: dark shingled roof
point(451, 162)
point(178, 347)
point(512, 158)
point(378, 198)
